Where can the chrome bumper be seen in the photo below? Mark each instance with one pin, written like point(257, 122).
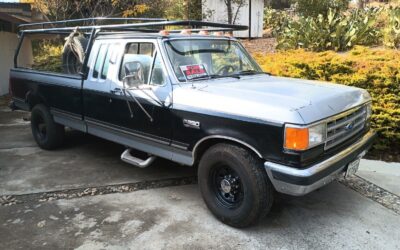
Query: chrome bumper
point(299, 182)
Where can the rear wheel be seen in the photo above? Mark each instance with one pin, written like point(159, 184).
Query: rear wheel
point(48, 134)
point(234, 185)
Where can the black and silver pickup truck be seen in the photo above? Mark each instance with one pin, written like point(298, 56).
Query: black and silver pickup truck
point(199, 99)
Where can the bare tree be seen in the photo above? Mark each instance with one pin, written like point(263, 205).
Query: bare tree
point(66, 9)
point(230, 6)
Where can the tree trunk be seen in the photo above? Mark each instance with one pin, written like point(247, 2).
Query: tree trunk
point(186, 11)
point(239, 6)
point(229, 9)
point(361, 3)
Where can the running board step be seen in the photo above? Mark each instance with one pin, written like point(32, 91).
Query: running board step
point(128, 158)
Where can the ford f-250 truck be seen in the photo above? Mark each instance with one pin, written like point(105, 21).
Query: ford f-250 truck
point(197, 99)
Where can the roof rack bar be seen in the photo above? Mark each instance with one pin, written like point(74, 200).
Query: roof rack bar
point(88, 48)
point(205, 29)
point(93, 19)
point(193, 24)
point(170, 31)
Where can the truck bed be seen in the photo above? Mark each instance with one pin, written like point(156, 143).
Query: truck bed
point(59, 91)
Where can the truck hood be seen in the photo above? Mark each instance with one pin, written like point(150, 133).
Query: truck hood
point(269, 99)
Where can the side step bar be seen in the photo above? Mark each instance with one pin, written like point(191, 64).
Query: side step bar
point(128, 158)
point(12, 106)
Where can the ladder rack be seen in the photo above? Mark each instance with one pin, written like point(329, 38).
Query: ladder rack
point(144, 25)
point(139, 25)
point(88, 21)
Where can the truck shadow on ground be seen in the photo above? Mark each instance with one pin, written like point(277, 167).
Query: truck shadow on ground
point(83, 161)
point(75, 139)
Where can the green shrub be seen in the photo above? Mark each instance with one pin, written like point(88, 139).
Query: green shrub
point(47, 56)
point(337, 31)
point(314, 8)
point(376, 70)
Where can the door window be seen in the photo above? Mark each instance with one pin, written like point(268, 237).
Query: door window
point(140, 53)
point(157, 76)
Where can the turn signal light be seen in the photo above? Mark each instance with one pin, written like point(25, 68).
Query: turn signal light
point(296, 138)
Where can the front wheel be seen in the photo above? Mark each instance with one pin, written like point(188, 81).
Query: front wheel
point(234, 185)
point(48, 134)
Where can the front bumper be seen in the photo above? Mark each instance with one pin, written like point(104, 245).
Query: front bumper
point(298, 182)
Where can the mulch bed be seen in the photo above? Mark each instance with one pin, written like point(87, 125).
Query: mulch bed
point(260, 45)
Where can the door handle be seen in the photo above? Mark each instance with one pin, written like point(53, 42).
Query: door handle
point(116, 91)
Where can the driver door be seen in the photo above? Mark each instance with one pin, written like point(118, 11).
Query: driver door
point(144, 111)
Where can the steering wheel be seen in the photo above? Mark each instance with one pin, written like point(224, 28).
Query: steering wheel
point(225, 69)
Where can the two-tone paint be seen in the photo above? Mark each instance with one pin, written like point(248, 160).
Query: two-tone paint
point(188, 117)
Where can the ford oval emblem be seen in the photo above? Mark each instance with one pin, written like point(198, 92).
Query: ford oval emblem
point(349, 126)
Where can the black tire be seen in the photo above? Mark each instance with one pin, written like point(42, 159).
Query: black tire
point(48, 134)
point(71, 57)
point(250, 194)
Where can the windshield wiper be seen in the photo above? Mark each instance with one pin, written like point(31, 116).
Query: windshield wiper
point(249, 72)
point(213, 77)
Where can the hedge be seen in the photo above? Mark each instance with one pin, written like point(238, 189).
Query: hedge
point(376, 70)
point(47, 57)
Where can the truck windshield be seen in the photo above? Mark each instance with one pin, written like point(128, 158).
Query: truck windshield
point(196, 59)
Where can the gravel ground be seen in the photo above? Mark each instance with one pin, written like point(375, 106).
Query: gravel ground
point(8, 200)
point(373, 192)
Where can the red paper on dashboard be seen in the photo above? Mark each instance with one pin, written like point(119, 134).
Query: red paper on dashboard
point(194, 71)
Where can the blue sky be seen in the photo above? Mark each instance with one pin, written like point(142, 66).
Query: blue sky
point(9, 1)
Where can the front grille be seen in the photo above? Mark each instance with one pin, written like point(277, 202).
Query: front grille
point(345, 126)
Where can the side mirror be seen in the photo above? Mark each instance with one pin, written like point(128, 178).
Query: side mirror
point(134, 74)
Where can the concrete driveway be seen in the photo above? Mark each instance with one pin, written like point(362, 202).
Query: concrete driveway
point(82, 196)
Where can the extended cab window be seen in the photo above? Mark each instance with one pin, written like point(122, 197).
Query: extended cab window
point(141, 53)
point(106, 63)
point(99, 60)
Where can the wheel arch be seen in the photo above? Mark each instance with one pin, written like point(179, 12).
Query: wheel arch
point(33, 99)
point(203, 144)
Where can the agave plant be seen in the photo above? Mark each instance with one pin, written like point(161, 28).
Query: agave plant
point(335, 31)
point(275, 20)
point(362, 29)
point(391, 33)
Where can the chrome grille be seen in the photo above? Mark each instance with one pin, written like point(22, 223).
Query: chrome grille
point(344, 126)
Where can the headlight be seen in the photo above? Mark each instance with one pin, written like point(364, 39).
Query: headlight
point(369, 110)
point(302, 138)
